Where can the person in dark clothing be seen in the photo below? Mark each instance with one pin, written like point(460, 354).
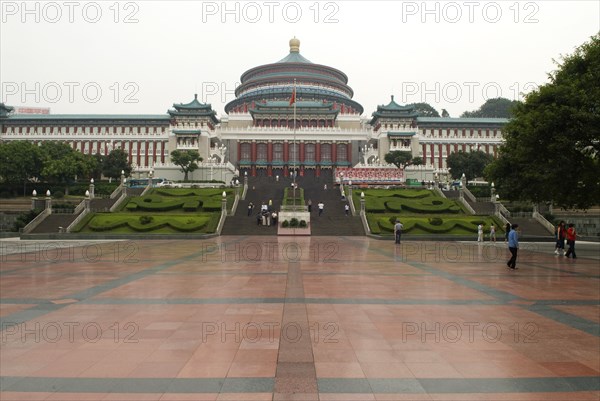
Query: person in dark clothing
point(513, 246)
point(571, 236)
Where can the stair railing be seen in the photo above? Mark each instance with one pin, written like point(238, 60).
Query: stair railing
point(542, 220)
point(37, 220)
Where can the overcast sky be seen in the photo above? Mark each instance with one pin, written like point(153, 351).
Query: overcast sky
point(140, 57)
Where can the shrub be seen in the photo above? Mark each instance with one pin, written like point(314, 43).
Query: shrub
point(146, 219)
point(59, 195)
point(393, 219)
point(285, 224)
point(303, 223)
point(436, 221)
point(294, 222)
point(131, 206)
point(24, 219)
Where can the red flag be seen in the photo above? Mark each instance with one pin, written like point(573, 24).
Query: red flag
point(293, 99)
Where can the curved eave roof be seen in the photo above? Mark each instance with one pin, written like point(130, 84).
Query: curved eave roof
point(289, 112)
point(456, 121)
point(335, 71)
point(299, 104)
point(294, 57)
point(193, 105)
point(83, 117)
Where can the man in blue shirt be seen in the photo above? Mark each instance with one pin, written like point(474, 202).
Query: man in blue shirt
point(513, 246)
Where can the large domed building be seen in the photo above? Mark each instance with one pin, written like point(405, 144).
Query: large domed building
point(271, 133)
point(292, 114)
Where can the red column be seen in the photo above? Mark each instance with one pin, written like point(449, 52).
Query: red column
point(253, 153)
point(130, 156)
point(301, 152)
point(432, 148)
point(318, 152)
point(286, 149)
point(146, 153)
point(239, 151)
point(464, 147)
point(154, 152)
point(269, 152)
point(139, 156)
point(334, 151)
point(424, 153)
point(349, 153)
point(440, 156)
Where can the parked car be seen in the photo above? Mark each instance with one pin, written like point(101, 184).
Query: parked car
point(168, 184)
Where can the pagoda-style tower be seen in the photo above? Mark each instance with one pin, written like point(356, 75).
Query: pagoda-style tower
point(395, 128)
point(193, 124)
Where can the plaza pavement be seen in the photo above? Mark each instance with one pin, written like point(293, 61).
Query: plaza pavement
point(271, 318)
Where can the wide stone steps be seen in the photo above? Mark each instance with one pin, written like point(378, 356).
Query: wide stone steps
point(53, 222)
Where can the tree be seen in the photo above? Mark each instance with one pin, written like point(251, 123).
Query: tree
point(186, 160)
point(552, 144)
point(115, 162)
point(417, 161)
point(20, 161)
point(445, 113)
point(425, 110)
point(493, 108)
point(398, 158)
point(62, 164)
point(471, 164)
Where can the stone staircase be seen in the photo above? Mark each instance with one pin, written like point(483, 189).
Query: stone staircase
point(260, 189)
point(53, 222)
point(530, 227)
point(333, 222)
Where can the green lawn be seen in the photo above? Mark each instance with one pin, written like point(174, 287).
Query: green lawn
point(421, 225)
point(129, 223)
point(164, 211)
point(406, 201)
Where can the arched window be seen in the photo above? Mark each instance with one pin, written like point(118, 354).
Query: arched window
point(342, 154)
point(309, 152)
point(261, 151)
point(245, 151)
point(326, 152)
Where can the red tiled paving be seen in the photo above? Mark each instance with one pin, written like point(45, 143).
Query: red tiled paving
point(374, 312)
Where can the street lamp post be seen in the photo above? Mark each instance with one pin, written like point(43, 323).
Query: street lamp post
point(92, 186)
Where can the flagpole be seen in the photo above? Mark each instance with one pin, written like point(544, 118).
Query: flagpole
point(296, 151)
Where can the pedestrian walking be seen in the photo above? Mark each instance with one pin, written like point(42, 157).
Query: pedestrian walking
point(561, 235)
point(480, 233)
point(321, 207)
point(506, 231)
point(493, 233)
point(513, 246)
point(250, 208)
point(309, 206)
point(325, 187)
point(571, 236)
point(398, 227)
point(347, 209)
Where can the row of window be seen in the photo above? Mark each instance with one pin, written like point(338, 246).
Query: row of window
point(83, 130)
point(293, 150)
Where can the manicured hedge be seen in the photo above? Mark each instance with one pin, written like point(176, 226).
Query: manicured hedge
point(406, 201)
point(423, 225)
point(108, 222)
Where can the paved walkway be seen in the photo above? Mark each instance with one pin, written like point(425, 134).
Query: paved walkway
point(267, 318)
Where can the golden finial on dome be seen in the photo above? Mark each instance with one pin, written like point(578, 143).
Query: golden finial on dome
point(294, 45)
